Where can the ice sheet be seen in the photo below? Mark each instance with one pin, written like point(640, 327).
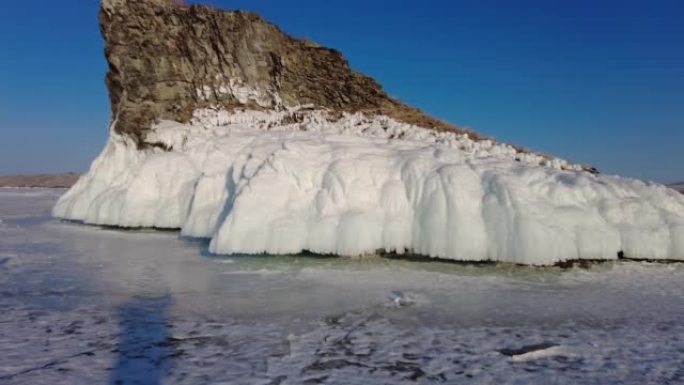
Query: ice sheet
point(87, 305)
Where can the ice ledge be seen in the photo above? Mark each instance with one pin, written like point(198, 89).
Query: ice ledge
point(283, 182)
point(326, 122)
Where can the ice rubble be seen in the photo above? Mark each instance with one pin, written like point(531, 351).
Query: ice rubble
point(283, 182)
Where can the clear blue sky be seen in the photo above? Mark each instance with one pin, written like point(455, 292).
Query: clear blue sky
point(599, 82)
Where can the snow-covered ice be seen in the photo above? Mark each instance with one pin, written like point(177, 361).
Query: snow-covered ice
point(284, 182)
point(90, 305)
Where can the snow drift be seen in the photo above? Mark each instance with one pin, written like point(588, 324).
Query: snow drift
point(284, 182)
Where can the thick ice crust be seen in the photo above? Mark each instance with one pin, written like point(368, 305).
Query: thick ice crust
point(254, 183)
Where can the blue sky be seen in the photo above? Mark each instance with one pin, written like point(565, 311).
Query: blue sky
point(598, 82)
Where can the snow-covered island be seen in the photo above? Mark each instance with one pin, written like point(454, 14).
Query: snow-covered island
point(263, 149)
point(268, 157)
point(253, 185)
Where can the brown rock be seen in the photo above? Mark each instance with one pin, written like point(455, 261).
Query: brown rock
point(166, 60)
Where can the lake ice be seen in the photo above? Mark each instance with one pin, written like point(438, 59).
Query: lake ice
point(90, 305)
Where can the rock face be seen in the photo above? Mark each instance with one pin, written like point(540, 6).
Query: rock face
point(167, 60)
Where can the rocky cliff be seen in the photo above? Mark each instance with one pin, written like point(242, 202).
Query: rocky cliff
point(167, 60)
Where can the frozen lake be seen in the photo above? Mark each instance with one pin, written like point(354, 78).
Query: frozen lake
point(89, 305)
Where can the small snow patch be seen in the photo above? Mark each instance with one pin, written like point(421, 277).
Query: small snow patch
point(533, 352)
point(401, 299)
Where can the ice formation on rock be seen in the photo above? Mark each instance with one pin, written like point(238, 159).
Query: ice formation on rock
point(294, 180)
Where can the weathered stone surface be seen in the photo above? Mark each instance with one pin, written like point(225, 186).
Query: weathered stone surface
point(166, 60)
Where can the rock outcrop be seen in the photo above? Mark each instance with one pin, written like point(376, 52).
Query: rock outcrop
point(166, 60)
point(255, 150)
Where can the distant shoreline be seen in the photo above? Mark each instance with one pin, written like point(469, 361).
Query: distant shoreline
point(677, 186)
point(65, 180)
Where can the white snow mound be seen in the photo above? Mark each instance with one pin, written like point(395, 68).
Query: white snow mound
point(254, 183)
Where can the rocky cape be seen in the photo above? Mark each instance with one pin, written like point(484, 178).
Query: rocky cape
point(167, 60)
point(226, 128)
